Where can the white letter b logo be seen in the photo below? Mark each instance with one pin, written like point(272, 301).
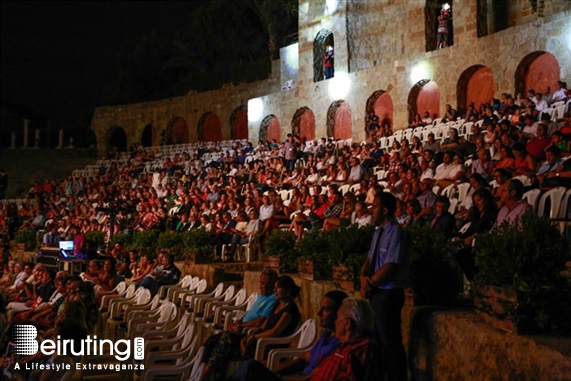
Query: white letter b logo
point(25, 338)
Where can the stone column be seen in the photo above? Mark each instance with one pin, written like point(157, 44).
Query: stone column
point(60, 139)
point(26, 129)
point(13, 145)
point(71, 142)
point(37, 139)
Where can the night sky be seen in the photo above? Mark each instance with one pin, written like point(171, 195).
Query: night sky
point(58, 57)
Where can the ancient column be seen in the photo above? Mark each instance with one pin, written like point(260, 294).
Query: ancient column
point(60, 139)
point(26, 128)
point(37, 139)
point(13, 145)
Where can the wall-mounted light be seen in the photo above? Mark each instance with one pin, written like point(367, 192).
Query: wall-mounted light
point(420, 71)
point(255, 109)
point(339, 85)
point(331, 6)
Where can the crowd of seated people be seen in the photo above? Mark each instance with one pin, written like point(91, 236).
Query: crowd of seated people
point(239, 191)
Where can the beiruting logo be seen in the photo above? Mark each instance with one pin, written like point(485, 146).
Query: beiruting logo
point(24, 337)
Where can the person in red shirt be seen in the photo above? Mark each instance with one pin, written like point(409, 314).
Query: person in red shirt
point(356, 359)
point(536, 146)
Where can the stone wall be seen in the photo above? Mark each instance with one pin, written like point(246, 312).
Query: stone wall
point(134, 117)
point(379, 45)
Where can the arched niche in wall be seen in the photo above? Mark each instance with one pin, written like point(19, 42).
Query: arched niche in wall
point(424, 96)
point(177, 131)
point(303, 124)
point(270, 129)
point(115, 140)
point(536, 71)
point(339, 120)
point(323, 39)
point(147, 136)
point(239, 123)
point(209, 127)
point(476, 84)
point(381, 104)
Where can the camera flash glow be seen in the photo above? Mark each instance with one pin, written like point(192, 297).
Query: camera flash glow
point(446, 6)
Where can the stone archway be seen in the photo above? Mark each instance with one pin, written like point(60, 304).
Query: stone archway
point(115, 140)
point(424, 96)
point(209, 127)
point(339, 120)
point(303, 124)
point(322, 39)
point(177, 131)
point(381, 104)
point(147, 136)
point(239, 123)
point(476, 84)
point(536, 71)
point(270, 129)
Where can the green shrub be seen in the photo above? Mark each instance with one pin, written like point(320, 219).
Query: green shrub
point(281, 243)
point(145, 241)
point(27, 237)
point(434, 277)
point(172, 241)
point(530, 261)
point(124, 239)
point(197, 245)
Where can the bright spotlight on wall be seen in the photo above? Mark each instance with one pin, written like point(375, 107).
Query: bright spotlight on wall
point(292, 57)
point(339, 85)
point(331, 6)
point(255, 109)
point(420, 71)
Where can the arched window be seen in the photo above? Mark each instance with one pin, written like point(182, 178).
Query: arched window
point(323, 56)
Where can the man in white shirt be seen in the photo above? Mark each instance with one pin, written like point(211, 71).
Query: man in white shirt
point(362, 216)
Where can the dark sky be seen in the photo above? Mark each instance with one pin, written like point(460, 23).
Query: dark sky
point(58, 57)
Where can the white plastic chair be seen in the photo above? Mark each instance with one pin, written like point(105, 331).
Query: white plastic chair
point(167, 339)
point(180, 294)
point(251, 249)
point(531, 197)
point(343, 189)
point(187, 282)
point(453, 205)
point(190, 297)
point(465, 227)
point(306, 333)
point(152, 320)
point(525, 180)
point(463, 190)
point(179, 355)
point(354, 188)
point(448, 191)
point(118, 309)
point(556, 196)
point(565, 211)
point(190, 369)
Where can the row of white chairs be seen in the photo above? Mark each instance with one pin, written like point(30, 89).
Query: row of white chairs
point(177, 335)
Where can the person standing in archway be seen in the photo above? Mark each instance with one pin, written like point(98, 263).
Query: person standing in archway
point(442, 31)
point(328, 62)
